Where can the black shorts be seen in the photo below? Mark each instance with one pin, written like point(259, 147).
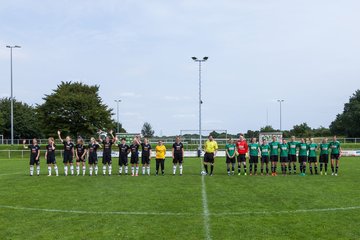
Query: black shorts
point(134, 159)
point(312, 159)
point(302, 159)
point(93, 159)
point(292, 158)
point(123, 160)
point(265, 159)
point(33, 161)
point(230, 160)
point(106, 159)
point(145, 159)
point(274, 158)
point(178, 158)
point(51, 160)
point(254, 159)
point(241, 158)
point(209, 158)
point(335, 156)
point(68, 158)
point(324, 158)
point(284, 159)
point(81, 159)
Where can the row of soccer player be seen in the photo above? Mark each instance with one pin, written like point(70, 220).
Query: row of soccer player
point(80, 151)
point(289, 152)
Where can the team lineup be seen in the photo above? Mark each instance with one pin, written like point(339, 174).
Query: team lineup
point(289, 153)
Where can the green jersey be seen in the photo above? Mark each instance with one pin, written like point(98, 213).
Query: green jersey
point(292, 147)
point(265, 149)
point(312, 149)
point(303, 147)
point(324, 149)
point(335, 147)
point(254, 149)
point(274, 148)
point(230, 148)
point(284, 150)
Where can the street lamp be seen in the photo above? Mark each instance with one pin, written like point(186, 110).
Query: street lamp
point(117, 114)
point(200, 101)
point(12, 95)
point(280, 101)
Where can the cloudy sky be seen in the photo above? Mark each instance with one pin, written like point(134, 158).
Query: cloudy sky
point(306, 52)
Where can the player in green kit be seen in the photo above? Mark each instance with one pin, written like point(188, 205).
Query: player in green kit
point(274, 155)
point(230, 156)
point(254, 151)
point(292, 154)
point(324, 155)
point(284, 155)
point(265, 149)
point(303, 149)
point(312, 156)
point(335, 155)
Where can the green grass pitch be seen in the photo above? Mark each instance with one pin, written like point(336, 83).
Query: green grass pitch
point(178, 207)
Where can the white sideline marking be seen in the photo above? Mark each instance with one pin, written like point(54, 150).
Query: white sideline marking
point(5, 174)
point(182, 213)
point(206, 213)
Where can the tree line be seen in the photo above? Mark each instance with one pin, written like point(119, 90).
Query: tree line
point(77, 109)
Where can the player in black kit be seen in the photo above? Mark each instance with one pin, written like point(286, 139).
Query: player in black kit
point(178, 155)
point(80, 156)
point(134, 149)
point(50, 156)
point(145, 156)
point(106, 159)
point(34, 156)
point(92, 156)
point(68, 154)
point(124, 150)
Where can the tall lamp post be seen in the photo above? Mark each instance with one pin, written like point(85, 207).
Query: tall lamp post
point(280, 101)
point(12, 93)
point(200, 101)
point(117, 114)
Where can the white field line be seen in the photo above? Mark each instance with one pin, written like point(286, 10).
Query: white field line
point(206, 213)
point(182, 213)
point(6, 174)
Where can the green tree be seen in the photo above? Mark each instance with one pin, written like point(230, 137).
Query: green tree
point(76, 109)
point(347, 123)
point(302, 130)
point(147, 130)
point(26, 124)
point(267, 128)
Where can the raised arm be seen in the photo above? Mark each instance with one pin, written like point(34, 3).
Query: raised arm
point(59, 135)
point(24, 143)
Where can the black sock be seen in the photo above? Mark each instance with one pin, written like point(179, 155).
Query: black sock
point(262, 169)
point(304, 169)
point(321, 167)
point(326, 167)
point(255, 171)
point(332, 168)
point(337, 167)
point(206, 168)
point(311, 171)
point(289, 167)
point(301, 168)
point(251, 167)
point(294, 168)
point(267, 169)
point(316, 169)
point(211, 169)
point(228, 169)
point(244, 168)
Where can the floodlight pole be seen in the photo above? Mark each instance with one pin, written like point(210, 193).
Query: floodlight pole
point(280, 101)
point(200, 101)
point(117, 115)
point(12, 94)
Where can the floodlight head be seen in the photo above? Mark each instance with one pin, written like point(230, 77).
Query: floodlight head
point(8, 46)
point(17, 46)
point(194, 58)
point(205, 58)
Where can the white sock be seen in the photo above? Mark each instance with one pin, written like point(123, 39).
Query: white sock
point(181, 169)
point(137, 171)
point(49, 170)
point(56, 170)
point(77, 170)
point(66, 170)
point(96, 169)
point(31, 170)
point(148, 170)
point(104, 169)
point(132, 170)
point(120, 170)
point(126, 169)
point(38, 169)
point(84, 170)
point(174, 169)
point(72, 169)
point(90, 170)
point(143, 170)
point(110, 169)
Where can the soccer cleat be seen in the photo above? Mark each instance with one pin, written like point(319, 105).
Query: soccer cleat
point(49, 175)
point(180, 174)
point(332, 174)
point(321, 173)
point(136, 175)
point(335, 174)
point(275, 174)
point(250, 174)
point(132, 175)
point(262, 174)
point(325, 173)
point(228, 174)
point(244, 174)
point(239, 174)
point(211, 175)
